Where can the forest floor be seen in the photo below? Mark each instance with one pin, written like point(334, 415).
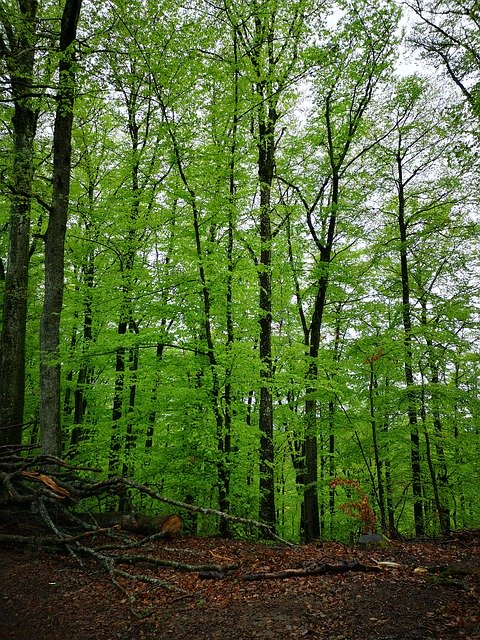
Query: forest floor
point(433, 594)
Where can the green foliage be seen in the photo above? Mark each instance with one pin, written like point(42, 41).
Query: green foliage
point(160, 344)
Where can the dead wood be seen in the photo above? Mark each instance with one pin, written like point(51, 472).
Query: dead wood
point(212, 575)
point(45, 541)
point(170, 525)
point(140, 559)
point(108, 563)
point(312, 570)
point(66, 483)
point(47, 493)
point(126, 482)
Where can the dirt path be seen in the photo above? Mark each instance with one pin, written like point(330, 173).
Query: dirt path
point(46, 596)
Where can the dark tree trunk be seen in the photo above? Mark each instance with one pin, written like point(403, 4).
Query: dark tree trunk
point(372, 387)
point(126, 322)
point(266, 151)
point(123, 442)
point(20, 64)
point(331, 465)
point(152, 416)
point(225, 438)
point(85, 374)
point(312, 521)
point(440, 482)
point(117, 407)
point(50, 413)
point(408, 358)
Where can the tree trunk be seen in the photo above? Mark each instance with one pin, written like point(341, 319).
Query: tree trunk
point(266, 150)
point(85, 374)
point(117, 407)
point(372, 386)
point(127, 322)
point(50, 413)
point(312, 522)
point(439, 479)
point(408, 358)
point(20, 63)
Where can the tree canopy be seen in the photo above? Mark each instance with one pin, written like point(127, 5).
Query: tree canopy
point(239, 255)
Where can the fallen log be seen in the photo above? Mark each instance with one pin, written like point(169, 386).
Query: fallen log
point(312, 570)
point(170, 525)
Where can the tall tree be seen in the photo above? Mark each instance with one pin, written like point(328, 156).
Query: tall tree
point(418, 149)
point(50, 392)
point(18, 41)
point(269, 35)
point(348, 67)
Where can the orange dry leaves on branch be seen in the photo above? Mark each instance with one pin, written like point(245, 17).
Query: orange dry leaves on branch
point(359, 509)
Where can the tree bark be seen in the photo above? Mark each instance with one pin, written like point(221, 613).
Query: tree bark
point(20, 65)
point(408, 358)
point(50, 369)
point(265, 176)
point(440, 482)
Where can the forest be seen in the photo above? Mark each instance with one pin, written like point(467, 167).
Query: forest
point(239, 256)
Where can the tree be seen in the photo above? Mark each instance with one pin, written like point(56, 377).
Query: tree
point(50, 390)
point(18, 41)
point(347, 69)
point(423, 202)
point(449, 34)
point(269, 35)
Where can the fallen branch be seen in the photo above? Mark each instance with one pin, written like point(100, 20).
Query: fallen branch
point(40, 541)
point(108, 563)
point(313, 570)
point(216, 568)
point(100, 487)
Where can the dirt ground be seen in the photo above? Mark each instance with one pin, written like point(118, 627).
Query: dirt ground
point(433, 594)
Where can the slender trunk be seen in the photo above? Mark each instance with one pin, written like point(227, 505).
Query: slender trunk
point(130, 436)
point(85, 373)
point(248, 424)
point(389, 494)
point(428, 450)
point(119, 442)
point(312, 522)
point(126, 324)
point(50, 412)
point(225, 438)
point(117, 412)
point(152, 416)
point(331, 464)
point(223, 474)
point(460, 514)
point(408, 359)
point(372, 386)
point(440, 478)
point(164, 329)
point(266, 149)
point(24, 122)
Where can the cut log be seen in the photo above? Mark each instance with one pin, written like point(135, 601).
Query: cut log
point(115, 519)
point(170, 525)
